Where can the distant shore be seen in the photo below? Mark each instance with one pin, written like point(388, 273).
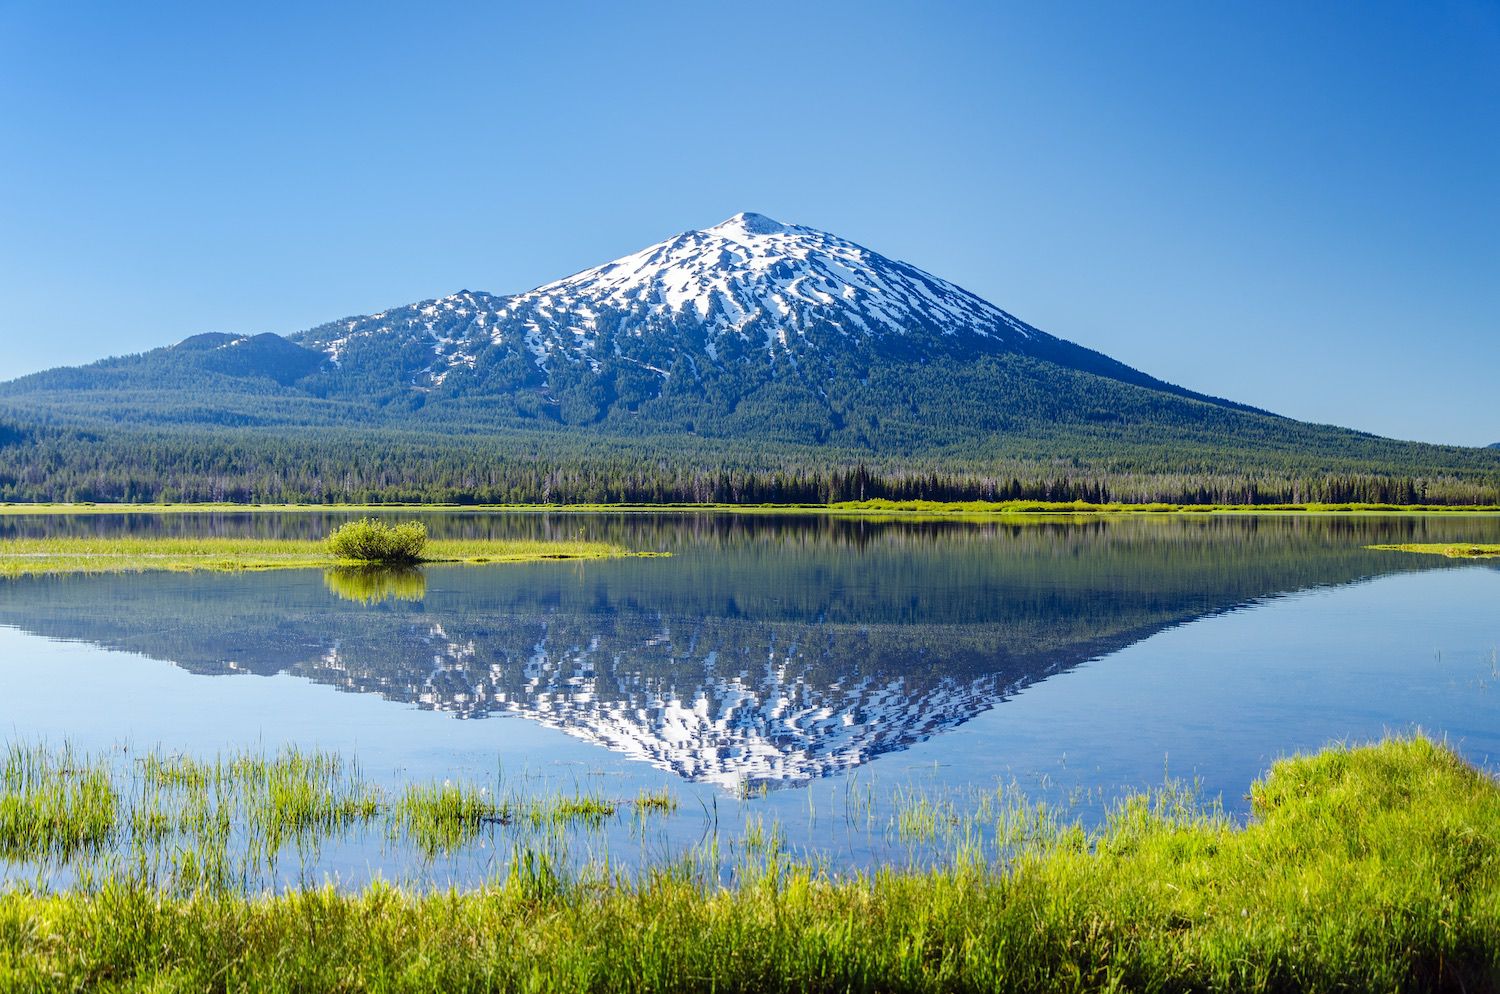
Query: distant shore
point(857, 508)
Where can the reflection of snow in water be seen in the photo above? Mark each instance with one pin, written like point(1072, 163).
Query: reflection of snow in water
point(739, 730)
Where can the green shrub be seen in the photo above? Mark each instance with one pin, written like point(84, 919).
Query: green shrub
point(372, 541)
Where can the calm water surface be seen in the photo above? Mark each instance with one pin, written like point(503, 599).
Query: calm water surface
point(800, 672)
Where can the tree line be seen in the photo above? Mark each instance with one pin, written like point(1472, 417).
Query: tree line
point(38, 465)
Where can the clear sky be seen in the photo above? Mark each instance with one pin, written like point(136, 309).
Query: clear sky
point(1295, 205)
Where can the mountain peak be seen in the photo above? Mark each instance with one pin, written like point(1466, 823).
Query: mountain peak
point(768, 284)
point(750, 223)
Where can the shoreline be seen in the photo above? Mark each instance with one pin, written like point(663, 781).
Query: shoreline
point(1449, 549)
point(849, 508)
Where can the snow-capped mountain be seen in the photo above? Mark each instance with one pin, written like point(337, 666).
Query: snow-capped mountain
point(752, 271)
point(769, 284)
point(748, 298)
point(750, 329)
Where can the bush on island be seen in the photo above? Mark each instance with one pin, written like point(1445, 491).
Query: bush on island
point(370, 541)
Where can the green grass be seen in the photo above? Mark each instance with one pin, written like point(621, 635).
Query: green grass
point(53, 803)
point(188, 824)
point(1365, 869)
point(444, 817)
point(1444, 549)
point(578, 808)
point(34, 556)
point(296, 792)
point(654, 802)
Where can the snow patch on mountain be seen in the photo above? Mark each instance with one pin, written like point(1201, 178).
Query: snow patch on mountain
point(753, 267)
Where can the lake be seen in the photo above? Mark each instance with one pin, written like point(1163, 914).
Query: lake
point(806, 675)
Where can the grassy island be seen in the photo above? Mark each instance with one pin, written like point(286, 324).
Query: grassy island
point(1372, 869)
point(1466, 551)
point(33, 556)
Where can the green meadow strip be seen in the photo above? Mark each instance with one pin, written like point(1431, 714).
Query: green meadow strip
point(34, 556)
point(1462, 551)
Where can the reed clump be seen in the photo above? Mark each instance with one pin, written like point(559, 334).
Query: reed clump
point(442, 817)
point(296, 792)
point(654, 802)
point(54, 803)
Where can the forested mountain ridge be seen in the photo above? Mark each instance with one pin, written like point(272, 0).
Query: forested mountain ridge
point(749, 347)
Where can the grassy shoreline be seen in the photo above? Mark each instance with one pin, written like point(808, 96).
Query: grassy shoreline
point(1374, 868)
point(1452, 551)
point(869, 507)
point(41, 556)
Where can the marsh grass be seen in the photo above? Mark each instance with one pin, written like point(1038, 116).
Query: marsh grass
point(1368, 869)
point(224, 823)
point(54, 803)
point(297, 793)
point(578, 808)
point(920, 818)
point(441, 818)
point(187, 823)
point(654, 802)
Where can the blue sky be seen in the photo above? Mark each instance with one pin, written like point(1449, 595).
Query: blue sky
point(1294, 205)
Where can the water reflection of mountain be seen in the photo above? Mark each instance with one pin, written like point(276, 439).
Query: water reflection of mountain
point(763, 651)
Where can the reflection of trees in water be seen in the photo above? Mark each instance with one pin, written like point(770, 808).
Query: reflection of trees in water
point(758, 652)
point(681, 529)
point(371, 584)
